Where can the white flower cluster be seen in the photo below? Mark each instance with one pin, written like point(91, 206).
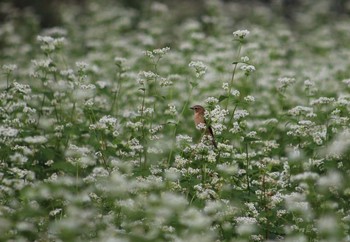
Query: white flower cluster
point(285, 82)
point(9, 68)
point(248, 69)
point(50, 44)
point(307, 128)
point(157, 53)
point(300, 110)
point(171, 110)
point(240, 114)
point(240, 34)
point(106, 123)
point(8, 131)
point(211, 100)
point(322, 100)
point(199, 67)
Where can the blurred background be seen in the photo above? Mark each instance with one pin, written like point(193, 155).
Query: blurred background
point(48, 12)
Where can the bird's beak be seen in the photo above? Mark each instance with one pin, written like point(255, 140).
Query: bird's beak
point(192, 108)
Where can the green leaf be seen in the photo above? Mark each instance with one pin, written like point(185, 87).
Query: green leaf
point(222, 98)
point(194, 84)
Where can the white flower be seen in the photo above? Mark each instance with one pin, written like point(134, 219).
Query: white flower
point(241, 34)
point(235, 93)
point(322, 100)
point(248, 69)
point(9, 68)
point(55, 212)
point(159, 53)
point(49, 44)
point(244, 59)
point(240, 113)
point(298, 110)
point(249, 99)
point(171, 110)
point(199, 67)
point(35, 139)
point(8, 131)
point(81, 65)
point(225, 86)
point(212, 100)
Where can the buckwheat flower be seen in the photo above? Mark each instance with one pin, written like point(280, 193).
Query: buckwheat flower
point(159, 7)
point(246, 220)
point(199, 67)
point(69, 73)
point(157, 53)
point(225, 86)
point(244, 59)
point(235, 128)
point(18, 158)
point(148, 75)
point(194, 219)
point(82, 66)
point(183, 139)
point(181, 161)
point(248, 69)
point(9, 68)
point(298, 110)
point(23, 88)
point(328, 224)
point(249, 99)
point(49, 162)
point(308, 83)
point(305, 176)
point(171, 110)
point(89, 103)
point(240, 34)
point(235, 93)
point(251, 134)
point(211, 100)
point(8, 131)
point(240, 113)
point(339, 145)
point(241, 172)
point(106, 121)
point(135, 145)
point(134, 125)
point(42, 64)
point(332, 180)
point(201, 126)
point(347, 82)
point(54, 212)
point(35, 139)
point(322, 100)
point(49, 44)
point(285, 82)
point(217, 115)
point(227, 168)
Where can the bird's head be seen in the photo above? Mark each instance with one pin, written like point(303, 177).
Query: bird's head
point(198, 109)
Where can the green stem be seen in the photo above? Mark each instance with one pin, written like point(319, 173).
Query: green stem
point(143, 128)
point(247, 167)
point(177, 123)
point(233, 76)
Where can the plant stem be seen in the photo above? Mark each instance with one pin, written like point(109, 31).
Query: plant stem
point(247, 167)
point(233, 75)
point(177, 123)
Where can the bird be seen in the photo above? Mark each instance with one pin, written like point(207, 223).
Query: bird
point(199, 119)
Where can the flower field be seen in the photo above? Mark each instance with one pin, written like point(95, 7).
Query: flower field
point(98, 143)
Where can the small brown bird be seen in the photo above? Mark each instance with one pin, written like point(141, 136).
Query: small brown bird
point(199, 119)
